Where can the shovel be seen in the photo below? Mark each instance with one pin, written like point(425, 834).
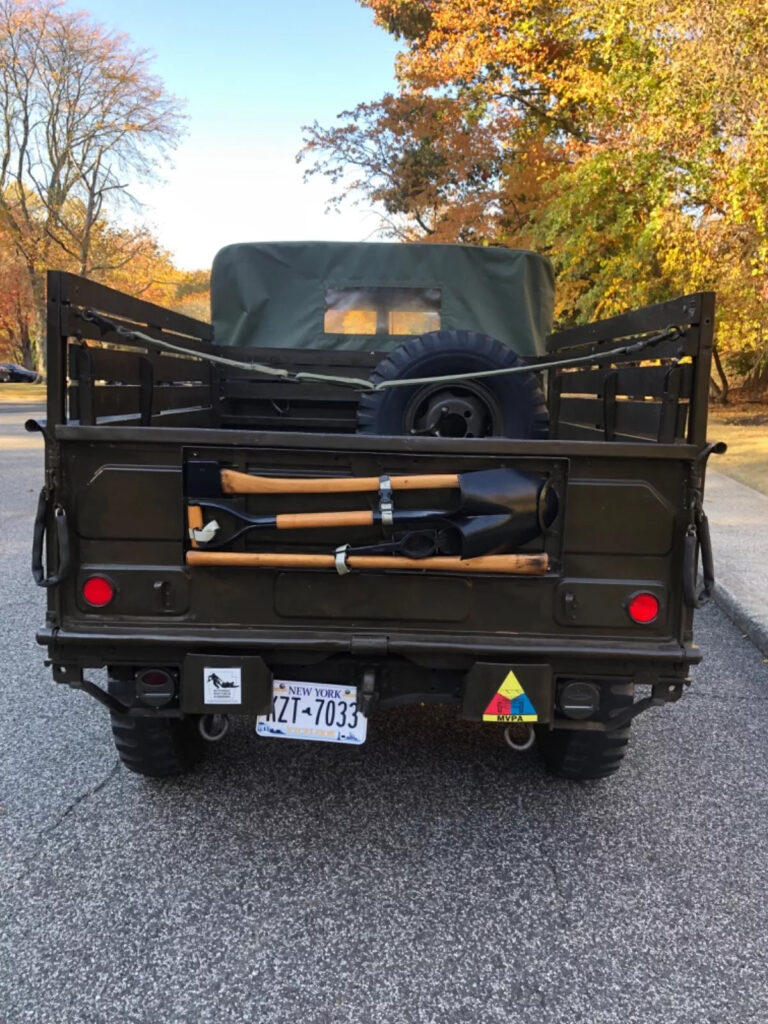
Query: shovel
point(498, 510)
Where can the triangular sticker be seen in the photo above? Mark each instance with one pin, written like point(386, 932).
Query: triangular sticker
point(510, 703)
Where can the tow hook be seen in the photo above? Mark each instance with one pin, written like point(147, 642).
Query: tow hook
point(213, 727)
point(519, 736)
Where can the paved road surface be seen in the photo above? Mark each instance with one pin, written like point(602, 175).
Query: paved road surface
point(427, 877)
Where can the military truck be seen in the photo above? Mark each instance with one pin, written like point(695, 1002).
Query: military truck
point(376, 479)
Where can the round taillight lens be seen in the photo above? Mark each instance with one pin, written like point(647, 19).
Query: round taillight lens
point(643, 608)
point(155, 687)
point(98, 591)
point(155, 677)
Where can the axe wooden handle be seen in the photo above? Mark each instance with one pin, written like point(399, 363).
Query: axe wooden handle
point(233, 482)
point(526, 565)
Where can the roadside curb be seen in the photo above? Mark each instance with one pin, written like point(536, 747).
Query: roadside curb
point(738, 516)
point(740, 614)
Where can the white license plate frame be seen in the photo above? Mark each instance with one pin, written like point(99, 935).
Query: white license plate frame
point(319, 712)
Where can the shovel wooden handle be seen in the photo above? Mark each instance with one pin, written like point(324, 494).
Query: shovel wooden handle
point(526, 565)
point(233, 482)
point(194, 521)
point(293, 520)
point(313, 520)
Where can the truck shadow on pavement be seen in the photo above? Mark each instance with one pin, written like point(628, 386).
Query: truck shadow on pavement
point(422, 772)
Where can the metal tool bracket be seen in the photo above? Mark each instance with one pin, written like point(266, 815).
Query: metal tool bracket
point(386, 503)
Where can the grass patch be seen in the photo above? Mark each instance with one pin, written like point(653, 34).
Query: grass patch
point(744, 428)
point(17, 394)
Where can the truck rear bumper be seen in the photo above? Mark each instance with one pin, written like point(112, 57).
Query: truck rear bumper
point(103, 646)
point(386, 670)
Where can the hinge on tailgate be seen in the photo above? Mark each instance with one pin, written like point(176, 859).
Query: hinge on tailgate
point(52, 467)
point(369, 646)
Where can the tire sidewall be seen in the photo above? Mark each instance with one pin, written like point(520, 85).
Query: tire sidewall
point(517, 396)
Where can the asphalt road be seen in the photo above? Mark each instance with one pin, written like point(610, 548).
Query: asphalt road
point(427, 878)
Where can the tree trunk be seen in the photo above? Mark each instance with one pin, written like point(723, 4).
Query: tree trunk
point(723, 389)
point(25, 347)
point(35, 325)
point(758, 378)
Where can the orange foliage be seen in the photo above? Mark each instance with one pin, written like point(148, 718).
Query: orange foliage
point(626, 139)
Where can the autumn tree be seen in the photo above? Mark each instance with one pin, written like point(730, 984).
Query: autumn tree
point(82, 117)
point(150, 273)
point(628, 140)
point(15, 303)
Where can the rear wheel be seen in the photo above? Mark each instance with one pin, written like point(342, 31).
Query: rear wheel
point(586, 754)
point(157, 747)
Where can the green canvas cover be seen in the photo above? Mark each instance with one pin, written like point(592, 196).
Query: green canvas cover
point(276, 294)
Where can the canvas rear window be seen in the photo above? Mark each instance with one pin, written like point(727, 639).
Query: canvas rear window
point(384, 310)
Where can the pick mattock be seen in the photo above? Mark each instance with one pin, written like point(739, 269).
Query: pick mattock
point(524, 565)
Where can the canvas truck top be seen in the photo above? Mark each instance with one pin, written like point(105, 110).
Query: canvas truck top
point(374, 295)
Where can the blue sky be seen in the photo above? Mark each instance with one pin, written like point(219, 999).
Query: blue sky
point(252, 74)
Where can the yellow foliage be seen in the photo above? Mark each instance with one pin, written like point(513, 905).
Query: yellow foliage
point(627, 139)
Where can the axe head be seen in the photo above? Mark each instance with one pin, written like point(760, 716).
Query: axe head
point(202, 479)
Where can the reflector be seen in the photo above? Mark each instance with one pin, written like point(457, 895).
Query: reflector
point(643, 608)
point(98, 591)
point(155, 677)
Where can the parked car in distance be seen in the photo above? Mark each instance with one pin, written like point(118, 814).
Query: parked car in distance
point(14, 374)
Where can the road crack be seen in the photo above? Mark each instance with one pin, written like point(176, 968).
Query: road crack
point(75, 803)
point(26, 863)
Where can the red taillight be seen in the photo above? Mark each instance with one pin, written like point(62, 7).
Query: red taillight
point(155, 677)
point(98, 591)
point(643, 608)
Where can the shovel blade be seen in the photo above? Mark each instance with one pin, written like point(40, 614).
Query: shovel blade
point(502, 509)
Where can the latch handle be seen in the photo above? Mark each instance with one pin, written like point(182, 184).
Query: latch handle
point(697, 538)
point(38, 538)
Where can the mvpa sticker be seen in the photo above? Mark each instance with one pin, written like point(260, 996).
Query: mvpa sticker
point(222, 686)
point(510, 703)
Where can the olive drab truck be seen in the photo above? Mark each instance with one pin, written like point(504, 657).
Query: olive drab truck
point(376, 478)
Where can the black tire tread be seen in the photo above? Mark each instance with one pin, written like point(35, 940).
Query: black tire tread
point(156, 747)
point(584, 755)
point(485, 352)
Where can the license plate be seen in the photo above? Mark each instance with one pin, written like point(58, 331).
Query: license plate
point(313, 711)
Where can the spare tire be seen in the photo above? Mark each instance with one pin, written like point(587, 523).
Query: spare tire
point(509, 405)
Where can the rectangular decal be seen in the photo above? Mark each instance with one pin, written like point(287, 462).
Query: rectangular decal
point(222, 686)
